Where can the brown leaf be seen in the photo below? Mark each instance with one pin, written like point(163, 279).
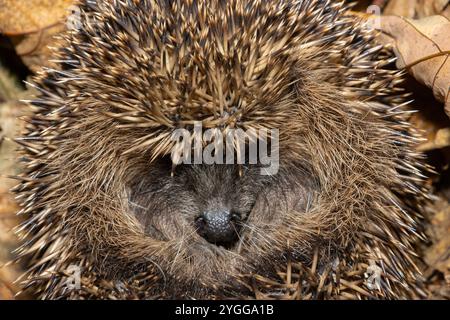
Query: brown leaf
point(34, 48)
point(10, 114)
point(426, 8)
point(404, 8)
point(9, 86)
point(30, 16)
point(438, 255)
point(423, 48)
point(32, 25)
point(417, 9)
point(441, 140)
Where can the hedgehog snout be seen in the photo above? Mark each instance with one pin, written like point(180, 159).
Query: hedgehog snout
point(220, 227)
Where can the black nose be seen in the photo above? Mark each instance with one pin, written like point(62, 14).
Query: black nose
point(220, 227)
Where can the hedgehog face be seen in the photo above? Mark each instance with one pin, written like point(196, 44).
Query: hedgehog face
point(218, 208)
point(214, 200)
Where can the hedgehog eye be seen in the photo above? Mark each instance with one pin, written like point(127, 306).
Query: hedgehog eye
point(165, 162)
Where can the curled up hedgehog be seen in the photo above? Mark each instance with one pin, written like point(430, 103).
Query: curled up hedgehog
point(103, 191)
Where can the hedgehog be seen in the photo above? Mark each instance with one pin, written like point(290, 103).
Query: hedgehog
point(106, 203)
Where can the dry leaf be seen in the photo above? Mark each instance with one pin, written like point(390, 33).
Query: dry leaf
point(34, 49)
point(441, 140)
point(7, 289)
point(438, 255)
point(417, 9)
point(31, 25)
point(8, 242)
point(404, 8)
point(430, 117)
point(20, 17)
point(10, 113)
point(9, 88)
point(423, 48)
point(426, 8)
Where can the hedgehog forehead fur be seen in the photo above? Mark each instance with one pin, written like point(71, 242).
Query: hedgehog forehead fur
point(97, 190)
point(226, 64)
